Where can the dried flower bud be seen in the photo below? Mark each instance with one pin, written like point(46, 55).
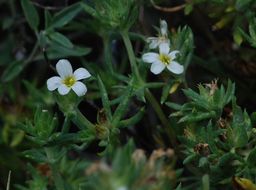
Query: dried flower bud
point(96, 167)
point(138, 155)
point(202, 149)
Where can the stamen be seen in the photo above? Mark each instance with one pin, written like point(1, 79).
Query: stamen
point(69, 81)
point(165, 59)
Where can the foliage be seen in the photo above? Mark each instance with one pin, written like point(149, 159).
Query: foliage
point(139, 126)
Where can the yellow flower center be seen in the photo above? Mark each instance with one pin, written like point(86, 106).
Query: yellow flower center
point(69, 81)
point(165, 59)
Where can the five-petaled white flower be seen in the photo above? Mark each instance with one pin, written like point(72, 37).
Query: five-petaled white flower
point(165, 58)
point(68, 80)
point(154, 42)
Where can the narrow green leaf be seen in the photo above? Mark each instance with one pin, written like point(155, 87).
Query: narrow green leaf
point(47, 19)
point(88, 9)
point(253, 118)
point(238, 134)
point(17, 139)
point(65, 16)
point(36, 155)
point(229, 92)
point(197, 98)
point(197, 116)
point(252, 29)
point(226, 159)
point(30, 14)
point(105, 99)
point(210, 136)
point(12, 71)
point(240, 137)
point(63, 139)
point(242, 4)
point(251, 160)
point(165, 92)
point(247, 37)
point(190, 158)
point(61, 39)
point(34, 91)
point(57, 51)
point(237, 37)
point(133, 120)
point(188, 8)
point(174, 106)
point(122, 107)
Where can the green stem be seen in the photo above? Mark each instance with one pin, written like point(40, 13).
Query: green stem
point(66, 125)
point(81, 121)
point(58, 181)
point(130, 52)
point(187, 61)
point(107, 52)
point(32, 54)
point(165, 122)
point(149, 95)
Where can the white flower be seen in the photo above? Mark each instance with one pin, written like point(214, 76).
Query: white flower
point(165, 58)
point(154, 42)
point(68, 80)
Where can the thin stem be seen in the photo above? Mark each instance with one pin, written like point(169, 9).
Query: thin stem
point(81, 121)
point(165, 122)
point(187, 61)
point(130, 52)
point(47, 7)
point(66, 125)
point(148, 94)
point(58, 181)
point(32, 54)
point(107, 53)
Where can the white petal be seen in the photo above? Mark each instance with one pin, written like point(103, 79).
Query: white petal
point(64, 68)
point(63, 89)
point(153, 42)
point(175, 67)
point(163, 27)
point(79, 88)
point(164, 41)
point(81, 73)
point(150, 57)
point(173, 54)
point(164, 48)
point(157, 67)
point(53, 83)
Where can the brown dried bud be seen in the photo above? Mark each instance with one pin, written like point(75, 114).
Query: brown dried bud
point(138, 155)
point(222, 123)
point(96, 167)
point(158, 154)
point(213, 86)
point(44, 169)
point(202, 149)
